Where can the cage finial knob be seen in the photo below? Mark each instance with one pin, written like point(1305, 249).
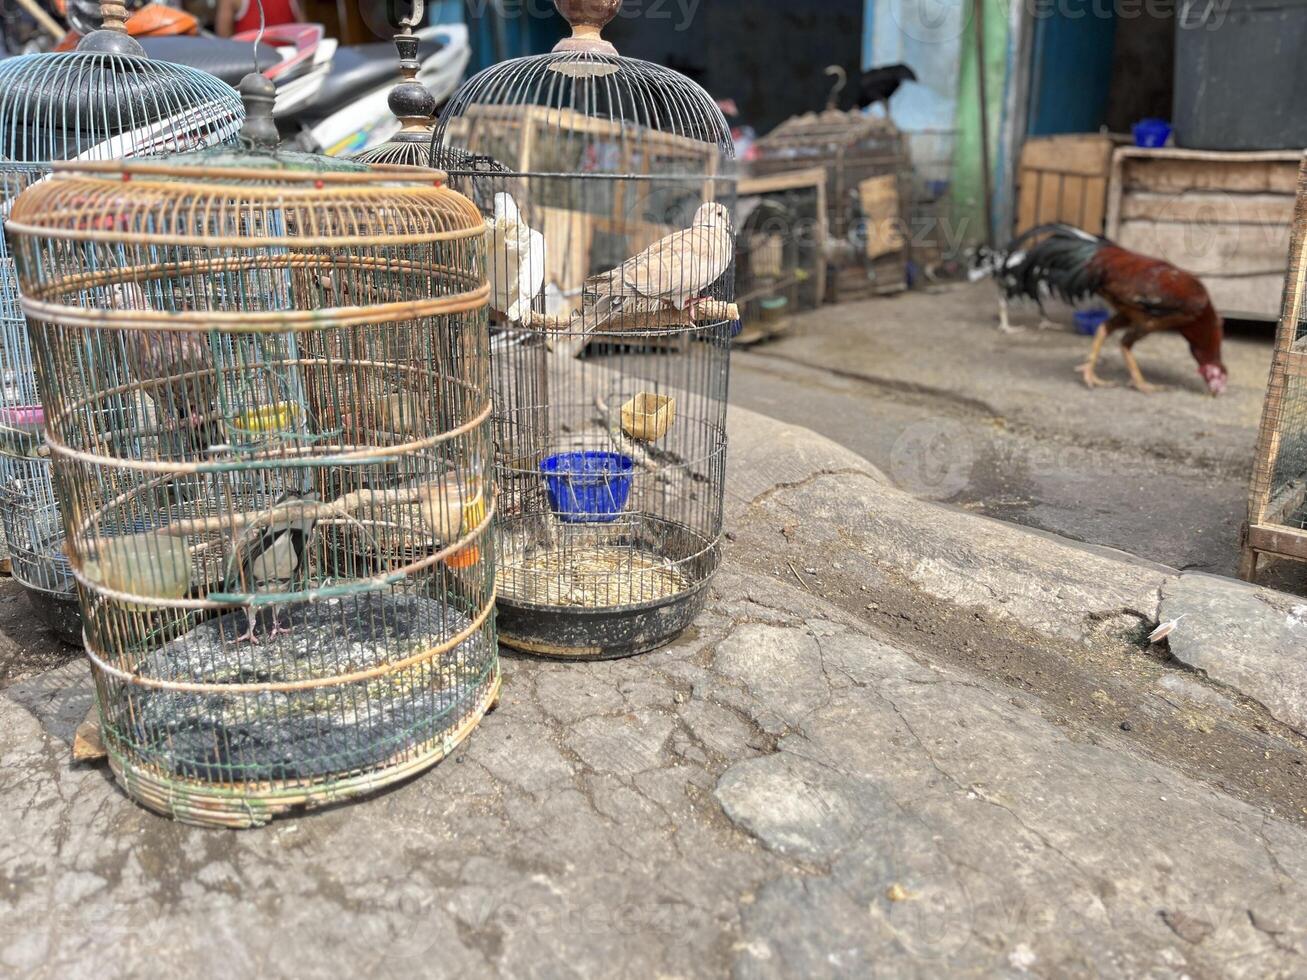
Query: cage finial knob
point(112, 37)
point(588, 19)
point(258, 93)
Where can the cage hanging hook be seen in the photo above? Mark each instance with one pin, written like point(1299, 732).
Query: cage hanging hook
point(841, 83)
point(259, 36)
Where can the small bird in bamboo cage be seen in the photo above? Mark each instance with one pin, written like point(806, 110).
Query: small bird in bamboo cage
point(150, 565)
point(674, 271)
point(516, 254)
point(184, 404)
point(272, 556)
point(441, 505)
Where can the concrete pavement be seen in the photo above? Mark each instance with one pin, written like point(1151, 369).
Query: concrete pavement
point(902, 740)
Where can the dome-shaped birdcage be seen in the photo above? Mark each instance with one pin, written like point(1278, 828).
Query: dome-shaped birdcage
point(104, 100)
point(608, 191)
point(412, 104)
point(267, 394)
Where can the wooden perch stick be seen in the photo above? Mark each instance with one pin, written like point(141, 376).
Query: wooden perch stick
point(291, 511)
point(640, 315)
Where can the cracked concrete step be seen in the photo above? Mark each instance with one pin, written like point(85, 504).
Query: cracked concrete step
point(783, 792)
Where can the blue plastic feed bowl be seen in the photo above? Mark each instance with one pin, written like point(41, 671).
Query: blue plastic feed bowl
point(1088, 321)
point(587, 488)
point(1152, 133)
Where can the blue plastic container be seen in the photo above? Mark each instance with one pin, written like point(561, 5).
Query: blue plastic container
point(1088, 321)
point(587, 488)
point(1152, 133)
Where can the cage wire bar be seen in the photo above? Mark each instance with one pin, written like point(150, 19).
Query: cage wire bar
point(608, 191)
point(104, 100)
point(1277, 505)
point(267, 393)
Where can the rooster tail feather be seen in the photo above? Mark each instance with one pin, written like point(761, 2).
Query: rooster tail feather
point(1061, 263)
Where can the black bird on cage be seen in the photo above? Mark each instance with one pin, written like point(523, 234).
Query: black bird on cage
point(879, 85)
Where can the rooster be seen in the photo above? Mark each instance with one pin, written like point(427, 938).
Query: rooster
point(1147, 296)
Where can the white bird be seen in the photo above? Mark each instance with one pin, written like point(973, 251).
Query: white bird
point(517, 260)
point(675, 270)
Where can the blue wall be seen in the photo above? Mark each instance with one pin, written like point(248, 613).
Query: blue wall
point(1071, 71)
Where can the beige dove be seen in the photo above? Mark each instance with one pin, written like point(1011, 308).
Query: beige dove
point(148, 565)
point(441, 507)
point(676, 270)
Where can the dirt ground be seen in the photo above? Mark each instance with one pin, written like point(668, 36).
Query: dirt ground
point(924, 386)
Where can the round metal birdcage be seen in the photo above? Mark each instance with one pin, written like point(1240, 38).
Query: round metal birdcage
point(267, 394)
point(103, 101)
point(411, 102)
point(608, 191)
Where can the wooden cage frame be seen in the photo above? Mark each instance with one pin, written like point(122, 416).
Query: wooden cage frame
point(1269, 531)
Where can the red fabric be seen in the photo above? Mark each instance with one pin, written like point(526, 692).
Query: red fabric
point(274, 12)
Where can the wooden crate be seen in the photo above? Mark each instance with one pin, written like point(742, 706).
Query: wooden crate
point(1277, 504)
point(1226, 217)
point(1065, 178)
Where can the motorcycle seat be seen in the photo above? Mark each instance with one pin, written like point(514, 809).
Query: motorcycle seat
point(360, 68)
point(228, 60)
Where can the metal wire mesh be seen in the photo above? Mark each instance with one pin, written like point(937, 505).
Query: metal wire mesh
point(93, 105)
point(609, 201)
point(1277, 508)
point(266, 381)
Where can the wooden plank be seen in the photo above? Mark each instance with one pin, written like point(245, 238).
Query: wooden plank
point(1230, 174)
point(1095, 194)
point(879, 197)
point(1081, 154)
point(1049, 199)
point(1282, 541)
point(788, 181)
point(1210, 207)
point(1072, 211)
point(1246, 297)
point(1218, 250)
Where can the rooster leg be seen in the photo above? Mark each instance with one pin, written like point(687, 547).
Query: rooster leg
point(1132, 365)
point(1004, 324)
point(1088, 369)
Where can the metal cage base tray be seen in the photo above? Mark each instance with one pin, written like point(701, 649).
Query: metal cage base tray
point(547, 607)
point(59, 611)
point(313, 746)
point(239, 806)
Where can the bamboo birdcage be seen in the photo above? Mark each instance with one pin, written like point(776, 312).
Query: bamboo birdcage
point(267, 399)
point(102, 101)
point(868, 173)
point(1277, 506)
point(610, 380)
